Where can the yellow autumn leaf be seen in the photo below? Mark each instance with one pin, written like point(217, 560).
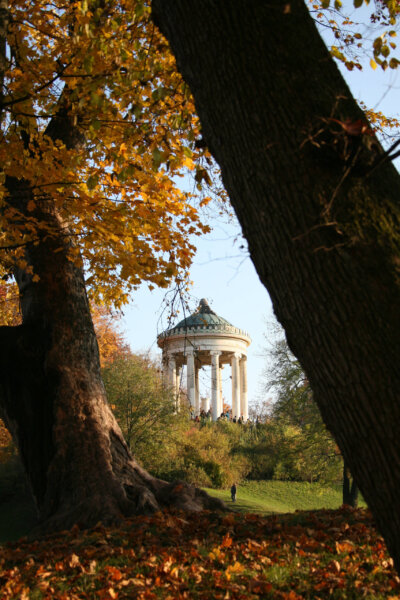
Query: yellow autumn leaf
point(111, 174)
point(234, 569)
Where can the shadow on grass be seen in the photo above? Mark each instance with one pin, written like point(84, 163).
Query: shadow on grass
point(17, 509)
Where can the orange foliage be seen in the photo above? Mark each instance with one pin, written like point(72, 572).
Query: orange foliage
point(132, 130)
point(111, 341)
point(351, 43)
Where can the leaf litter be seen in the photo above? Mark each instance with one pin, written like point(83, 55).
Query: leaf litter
point(335, 554)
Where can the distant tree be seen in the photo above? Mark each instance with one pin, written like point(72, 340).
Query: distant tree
point(206, 454)
point(309, 448)
point(261, 445)
point(112, 344)
point(143, 406)
point(167, 443)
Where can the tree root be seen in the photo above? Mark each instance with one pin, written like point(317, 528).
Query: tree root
point(139, 500)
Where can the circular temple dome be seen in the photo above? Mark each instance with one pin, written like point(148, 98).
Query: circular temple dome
point(203, 319)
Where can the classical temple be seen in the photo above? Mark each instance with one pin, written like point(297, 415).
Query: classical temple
point(204, 338)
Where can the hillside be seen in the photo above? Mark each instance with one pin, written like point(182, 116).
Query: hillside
point(267, 497)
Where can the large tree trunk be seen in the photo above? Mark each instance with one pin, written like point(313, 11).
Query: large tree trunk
point(51, 394)
point(53, 400)
point(322, 226)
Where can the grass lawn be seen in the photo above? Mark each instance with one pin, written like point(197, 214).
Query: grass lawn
point(267, 497)
point(18, 517)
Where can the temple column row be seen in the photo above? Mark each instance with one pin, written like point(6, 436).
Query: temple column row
point(239, 384)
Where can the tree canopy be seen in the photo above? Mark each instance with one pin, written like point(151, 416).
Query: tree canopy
point(98, 123)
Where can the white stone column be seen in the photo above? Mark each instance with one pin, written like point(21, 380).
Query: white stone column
point(191, 391)
point(221, 400)
point(244, 408)
point(172, 372)
point(164, 366)
point(196, 392)
point(215, 385)
point(235, 385)
point(205, 404)
point(178, 389)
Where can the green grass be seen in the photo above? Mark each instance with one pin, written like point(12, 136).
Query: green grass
point(267, 497)
point(18, 517)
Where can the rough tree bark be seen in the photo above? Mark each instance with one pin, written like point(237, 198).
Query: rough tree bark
point(54, 403)
point(320, 221)
point(52, 397)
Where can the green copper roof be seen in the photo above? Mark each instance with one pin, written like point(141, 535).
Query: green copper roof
point(203, 319)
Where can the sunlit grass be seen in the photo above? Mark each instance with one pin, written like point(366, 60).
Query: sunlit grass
point(266, 497)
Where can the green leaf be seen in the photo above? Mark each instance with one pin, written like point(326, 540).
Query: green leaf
point(92, 182)
point(159, 94)
point(137, 110)
point(377, 44)
point(357, 3)
point(130, 170)
point(88, 63)
point(95, 99)
point(139, 9)
point(95, 125)
point(157, 158)
point(201, 174)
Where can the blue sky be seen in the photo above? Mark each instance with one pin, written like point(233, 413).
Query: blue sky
point(223, 273)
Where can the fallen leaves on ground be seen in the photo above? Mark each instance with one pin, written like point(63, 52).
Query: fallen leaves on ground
point(305, 555)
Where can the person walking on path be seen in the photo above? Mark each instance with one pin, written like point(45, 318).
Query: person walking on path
point(233, 492)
